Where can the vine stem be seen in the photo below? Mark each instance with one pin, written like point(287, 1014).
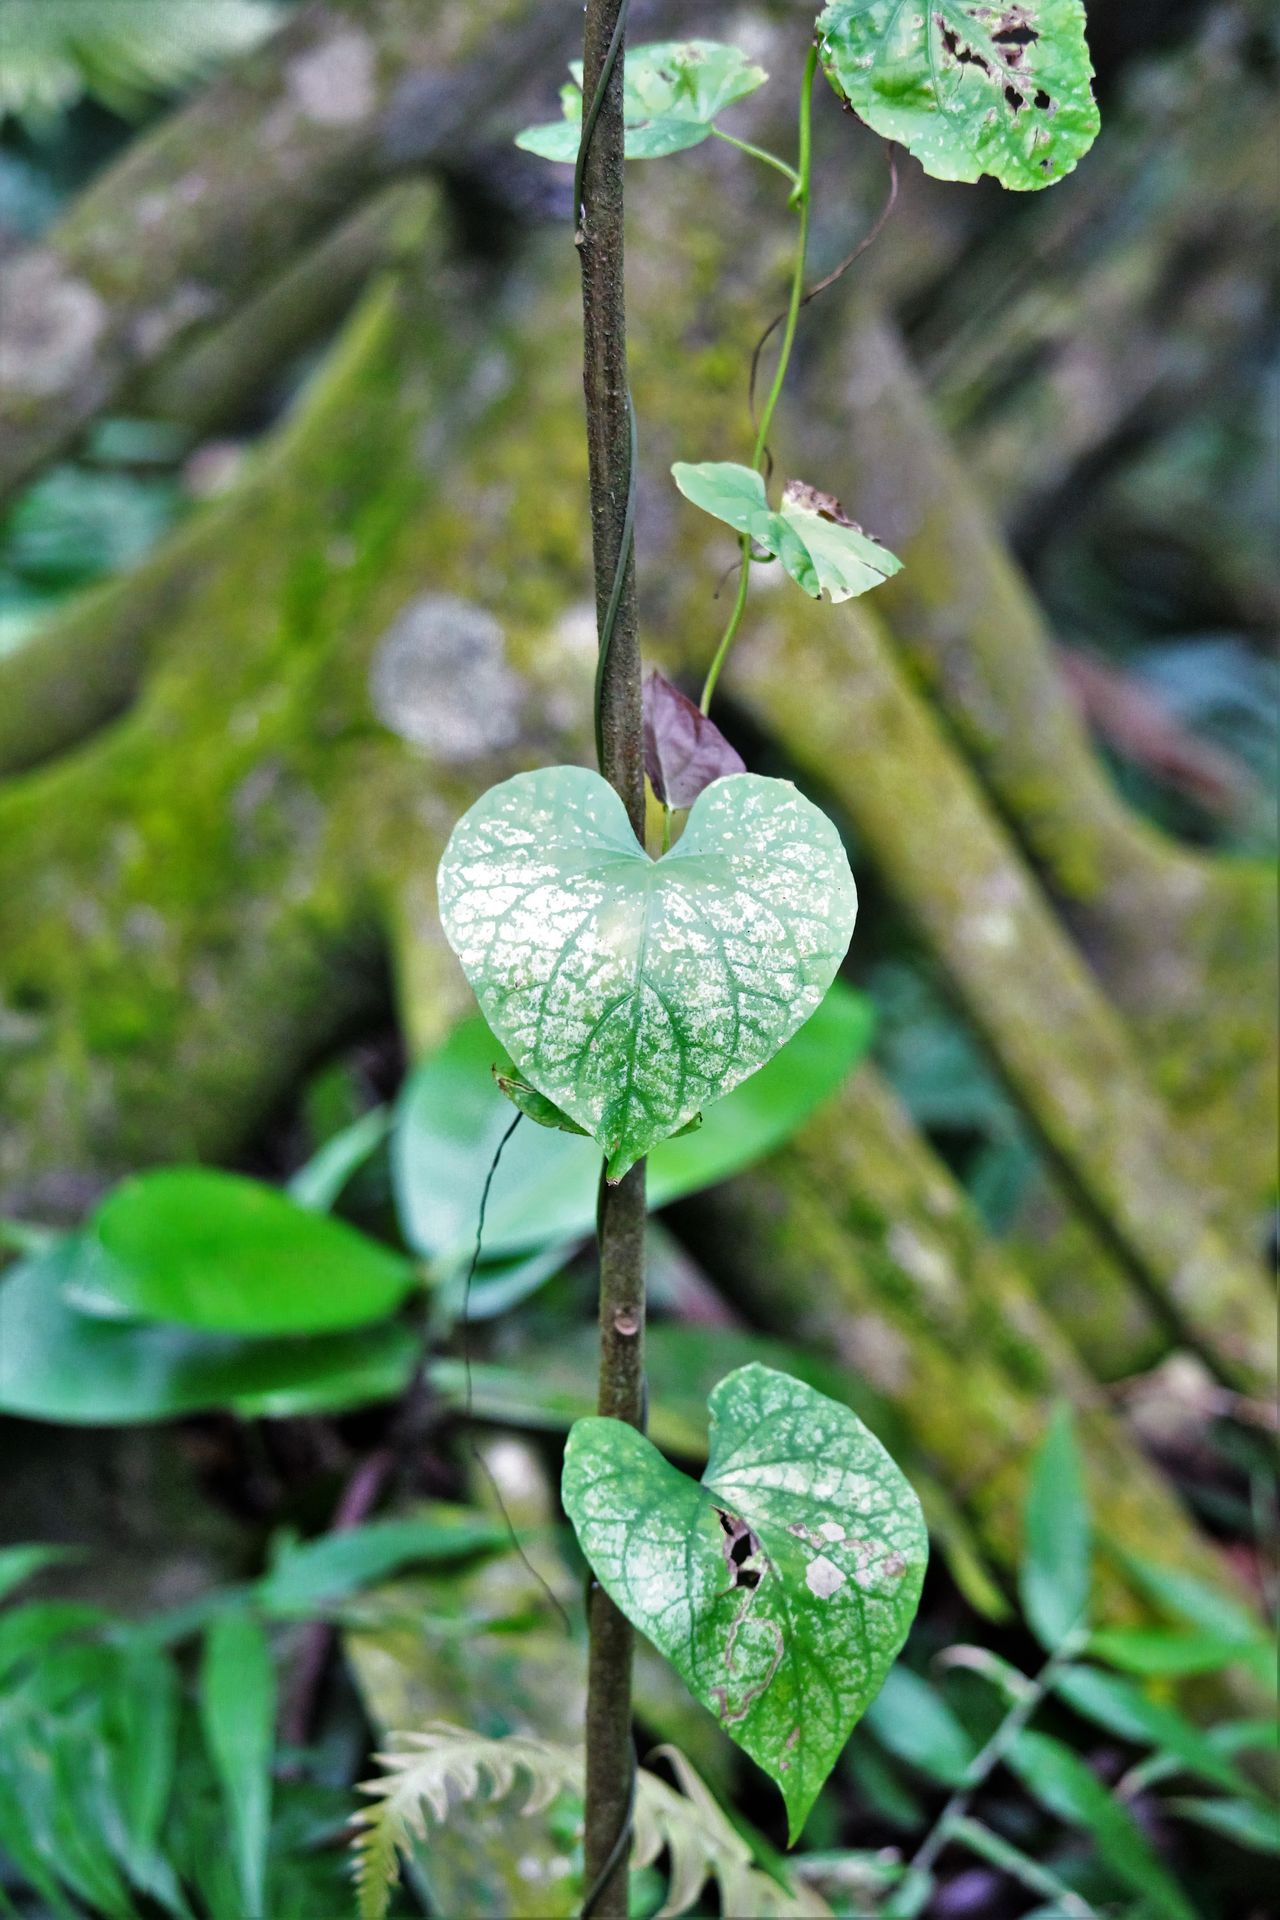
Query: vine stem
point(801, 200)
point(610, 1751)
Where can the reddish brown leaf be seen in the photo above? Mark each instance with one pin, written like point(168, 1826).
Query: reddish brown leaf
point(683, 750)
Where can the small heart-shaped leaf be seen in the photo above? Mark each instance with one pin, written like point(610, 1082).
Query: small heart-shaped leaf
point(684, 751)
point(781, 1586)
point(632, 992)
point(811, 534)
point(672, 93)
point(968, 87)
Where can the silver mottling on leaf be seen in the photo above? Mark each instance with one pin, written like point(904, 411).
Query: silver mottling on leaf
point(632, 992)
point(788, 1664)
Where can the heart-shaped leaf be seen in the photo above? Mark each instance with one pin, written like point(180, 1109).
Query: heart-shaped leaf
point(684, 751)
point(781, 1585)
point(672, 93)
point(633, 992)
point(811, 534)
point(968, 87)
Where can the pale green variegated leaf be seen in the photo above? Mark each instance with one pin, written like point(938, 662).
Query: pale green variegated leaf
point(672, 93)
point(818, 544)
point(968, 87)
point(631, 992)
point(781, 1586)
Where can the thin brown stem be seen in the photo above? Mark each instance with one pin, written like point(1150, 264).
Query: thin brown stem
point(610, 1763)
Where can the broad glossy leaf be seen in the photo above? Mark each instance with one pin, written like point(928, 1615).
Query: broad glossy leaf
point(781, 1585)
point(57, 1364)
point(1060, 1781)
point(818, 544)
point(967, 87)
point(634, 992)
point(672, 92)
point(451, 1119)
point(1053, 1578)
point(684, 751)
point(229, 1255)
point(237, 1712)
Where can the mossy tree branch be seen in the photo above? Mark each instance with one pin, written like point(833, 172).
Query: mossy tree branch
point(176, 233)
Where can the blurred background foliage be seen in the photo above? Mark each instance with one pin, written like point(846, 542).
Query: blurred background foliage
point(240, 639)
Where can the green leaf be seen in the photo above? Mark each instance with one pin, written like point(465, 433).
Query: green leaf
point(968, 88)
point(813, 537)
point(672, 92)
point(1053, 1579)
point(229, 1255)
point(1064, 1784)
point(27, 1632)
point(1201, 1602)
point(142, 1706)
point(57, 1364)
point(913, 1721)
point(1246, 1822)
point(237, 1712)
point(633, 992)
point(781, 1586)
point(1164, 1652)
point(21, 1563)
point(312, 1575)
point(544, 1192)
point(1126, 1711)
point(318, 1184)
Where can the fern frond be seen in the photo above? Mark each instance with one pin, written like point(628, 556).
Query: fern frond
point(121, 52)
point(427, 1772)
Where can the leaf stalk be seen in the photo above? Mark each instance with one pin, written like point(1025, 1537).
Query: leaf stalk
point(801, 199)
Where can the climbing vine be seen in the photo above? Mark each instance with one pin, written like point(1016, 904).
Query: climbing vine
point(635, 984)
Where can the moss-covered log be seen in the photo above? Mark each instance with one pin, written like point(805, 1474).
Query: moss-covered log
point(1062, 1050)
point(1187, 945)
point(83, 666)
point(856, 1237)
point(174, 235)
point(223, 373)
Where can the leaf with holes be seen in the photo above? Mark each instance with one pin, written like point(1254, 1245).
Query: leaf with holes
point(781, 1585)
point(811, 534)
point(968, 88)
point(684, 751)
point(633, 992)
point(672, 92)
